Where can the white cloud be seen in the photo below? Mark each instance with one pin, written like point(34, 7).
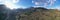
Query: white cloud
point(15, 1)
point(52, 2)
point(10, 3)
point(45, 2)
point(32, 1)
point(37, 3)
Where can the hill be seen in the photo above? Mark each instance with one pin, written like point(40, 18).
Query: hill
point(39, 13)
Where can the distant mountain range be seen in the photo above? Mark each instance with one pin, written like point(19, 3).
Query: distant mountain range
point(39, 13)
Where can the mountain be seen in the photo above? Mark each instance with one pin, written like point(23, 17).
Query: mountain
point(3, 12)
point(32, 12)
point(39, 13)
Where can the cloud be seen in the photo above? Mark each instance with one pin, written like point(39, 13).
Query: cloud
point(37, 3)
point(10, 3)
point(52, 2)
point(15, 1)
point(45, 2)
point(32, 1)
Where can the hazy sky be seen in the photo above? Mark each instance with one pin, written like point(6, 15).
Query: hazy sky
point(26, 3)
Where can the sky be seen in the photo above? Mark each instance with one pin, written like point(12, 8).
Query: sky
point(53, 4)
